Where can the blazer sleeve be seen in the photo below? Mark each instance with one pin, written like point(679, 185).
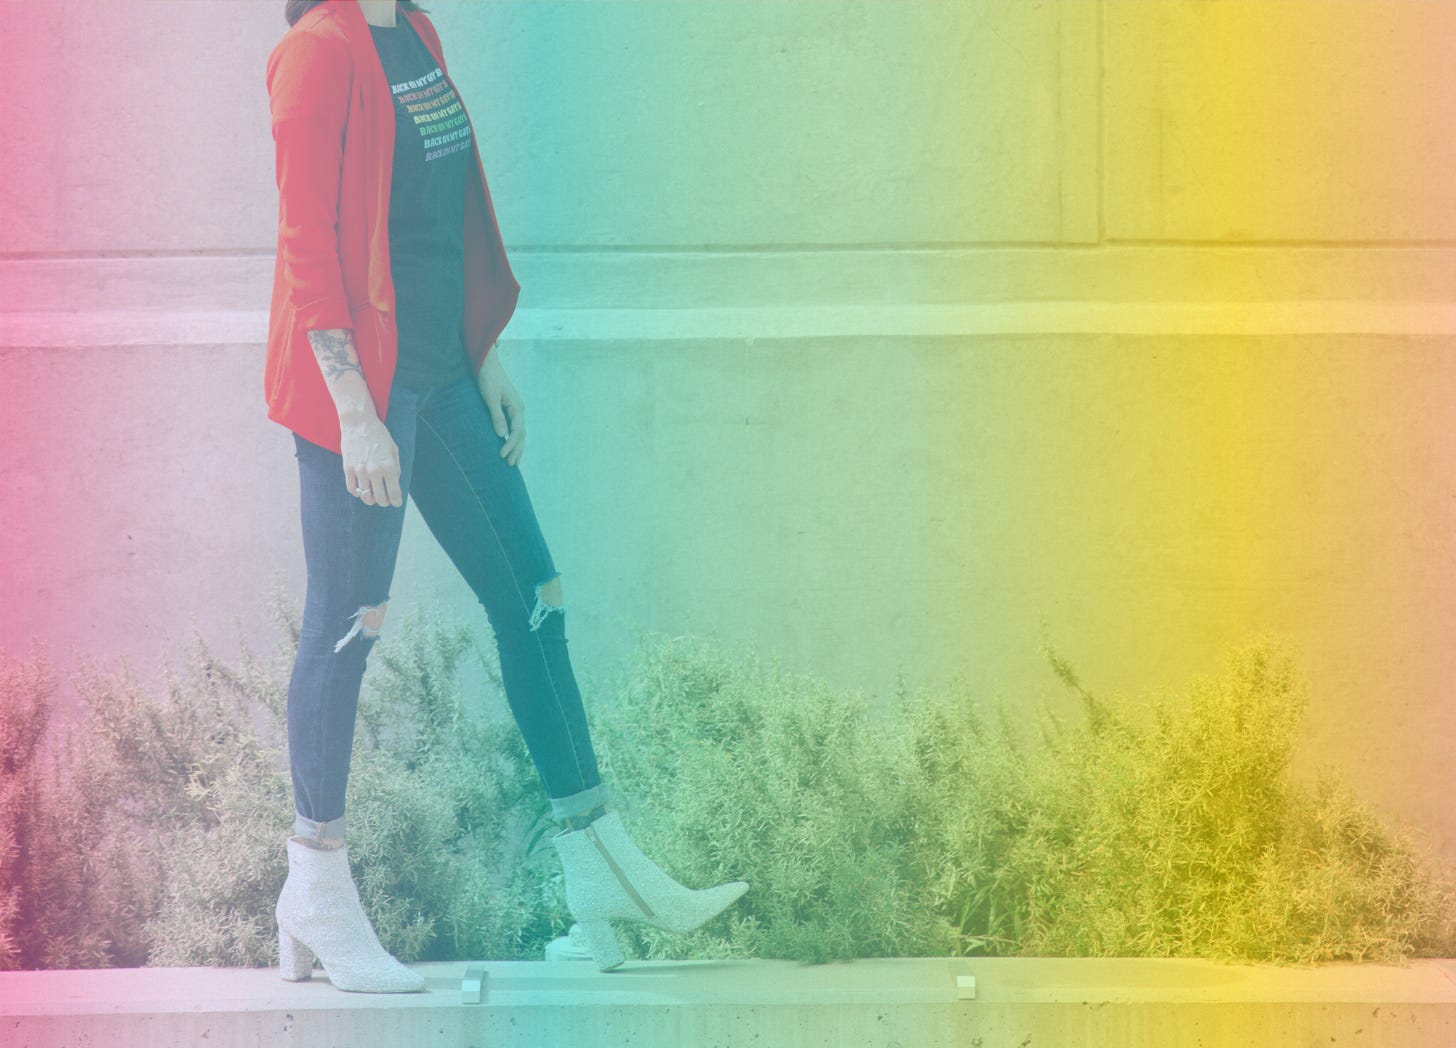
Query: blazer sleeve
point(309, 81)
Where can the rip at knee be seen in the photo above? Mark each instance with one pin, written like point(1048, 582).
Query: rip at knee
point(368, 621)
point(548, 599)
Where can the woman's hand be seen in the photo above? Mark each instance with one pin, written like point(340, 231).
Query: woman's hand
point(507, 412)
point(371, 461)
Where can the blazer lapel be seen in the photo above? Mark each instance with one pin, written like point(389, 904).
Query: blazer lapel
point(376, 109)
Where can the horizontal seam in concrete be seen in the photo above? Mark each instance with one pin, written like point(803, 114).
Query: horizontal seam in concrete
point(1090, 245)
point(201, 328)
point(1279, 243)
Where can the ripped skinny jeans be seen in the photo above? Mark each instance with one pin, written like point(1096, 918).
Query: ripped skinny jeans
point(476, 506)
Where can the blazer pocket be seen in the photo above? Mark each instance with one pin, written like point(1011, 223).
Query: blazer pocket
point(277, 362)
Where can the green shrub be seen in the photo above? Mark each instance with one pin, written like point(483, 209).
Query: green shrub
point(1177, 833)
point(1174, 830)
point(729, 768)
point(27, 689)
point(73, 879)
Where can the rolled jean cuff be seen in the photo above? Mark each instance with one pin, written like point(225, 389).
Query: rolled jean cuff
point(563, 808)
point(333, 830)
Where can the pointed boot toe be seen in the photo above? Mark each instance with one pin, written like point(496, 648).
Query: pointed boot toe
point(609, 878)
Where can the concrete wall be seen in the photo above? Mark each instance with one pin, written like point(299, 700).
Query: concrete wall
point(873, 334)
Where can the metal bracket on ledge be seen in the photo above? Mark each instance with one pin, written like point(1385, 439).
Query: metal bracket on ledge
point(963, 979)
point(472, 984)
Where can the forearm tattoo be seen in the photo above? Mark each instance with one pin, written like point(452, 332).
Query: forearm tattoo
point(335, 352)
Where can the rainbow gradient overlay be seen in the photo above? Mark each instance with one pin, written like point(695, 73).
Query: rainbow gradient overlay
point(887, 337)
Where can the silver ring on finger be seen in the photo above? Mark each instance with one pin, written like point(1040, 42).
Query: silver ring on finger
point(361, 491)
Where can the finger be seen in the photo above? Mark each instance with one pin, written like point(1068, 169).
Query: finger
point(509, 450)
point(378, 485)
point(518, 430)
point(358, 482)
point(392, 490)
point(498, 419)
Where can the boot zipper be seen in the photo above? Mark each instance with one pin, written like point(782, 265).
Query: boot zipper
point(621, 877)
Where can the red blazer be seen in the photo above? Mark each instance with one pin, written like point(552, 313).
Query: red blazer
point(333, 125)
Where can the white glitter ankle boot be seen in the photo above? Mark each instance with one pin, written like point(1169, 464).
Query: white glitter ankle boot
point(319, 915)
point(608, 879)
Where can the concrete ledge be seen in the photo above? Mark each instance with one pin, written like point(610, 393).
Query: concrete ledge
point(201, 329)
point(777, 276)
point(910, 1003)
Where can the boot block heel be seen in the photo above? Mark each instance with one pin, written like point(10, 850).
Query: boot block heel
point(295, 960)
point(602, 942)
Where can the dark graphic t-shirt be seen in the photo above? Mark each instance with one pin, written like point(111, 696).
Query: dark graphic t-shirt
point(432, 142)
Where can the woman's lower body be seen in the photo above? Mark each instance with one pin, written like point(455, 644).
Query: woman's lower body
point(477, 507)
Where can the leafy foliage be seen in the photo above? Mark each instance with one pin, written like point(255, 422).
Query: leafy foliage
point(1174, 834)
point(740, 770)
point(156, 833)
